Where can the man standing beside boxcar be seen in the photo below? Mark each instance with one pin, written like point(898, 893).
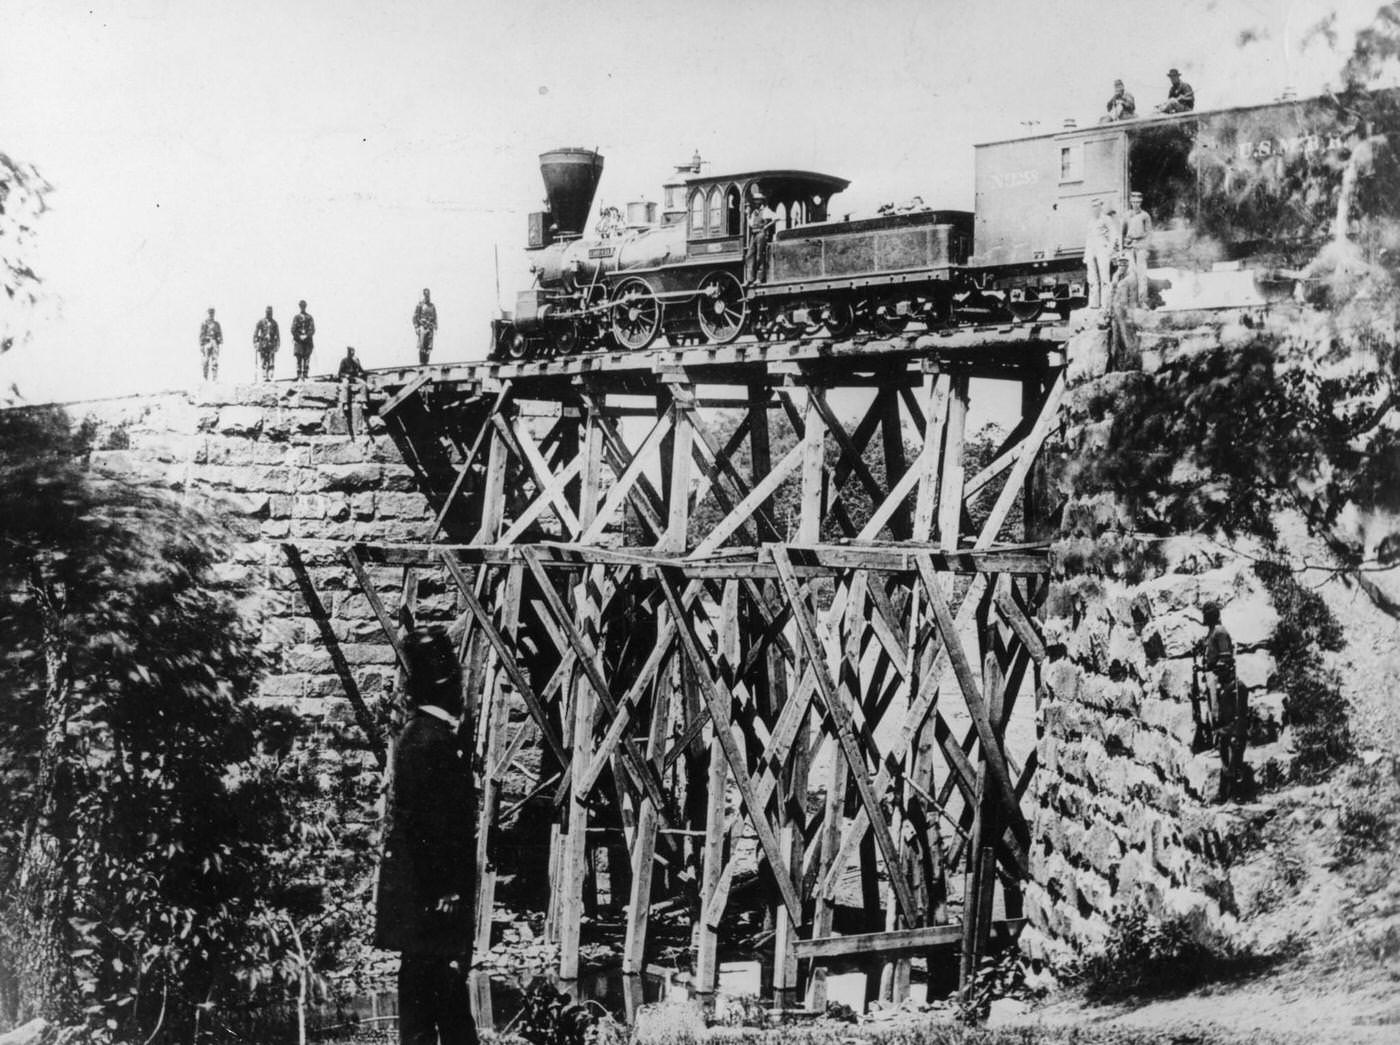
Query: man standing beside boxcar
point(423, 906)
point(267, 338)
point(425, 325)
point(1100, 244)
point(303, 332)
point(211, 339)
point(1137, 230)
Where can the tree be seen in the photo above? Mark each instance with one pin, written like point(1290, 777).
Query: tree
point(23, 196)
point(135, 873)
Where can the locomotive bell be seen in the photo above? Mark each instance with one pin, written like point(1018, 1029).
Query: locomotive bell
point(570, 179)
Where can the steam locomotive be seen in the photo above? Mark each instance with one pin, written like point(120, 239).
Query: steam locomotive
point(1251, 189)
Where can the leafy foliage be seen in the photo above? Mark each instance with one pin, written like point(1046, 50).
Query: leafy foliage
point(159, 810)
point(1149, 956)
point(23, 198)
point(549, 1017)
point(1315, 707)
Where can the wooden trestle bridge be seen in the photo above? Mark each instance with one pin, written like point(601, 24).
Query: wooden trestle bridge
point(735, 642)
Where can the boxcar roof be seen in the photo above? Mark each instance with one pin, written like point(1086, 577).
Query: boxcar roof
point(1148, 120)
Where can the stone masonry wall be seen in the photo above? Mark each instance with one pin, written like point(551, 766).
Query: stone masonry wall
point(282, 464)
point(1123, 809)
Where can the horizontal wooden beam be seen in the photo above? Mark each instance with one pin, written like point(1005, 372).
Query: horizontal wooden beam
point(986, 348)
point(899, 941)
point(735, 563)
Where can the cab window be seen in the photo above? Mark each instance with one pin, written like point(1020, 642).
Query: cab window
point(715, 213)
point(697, 213)
point(732, 212)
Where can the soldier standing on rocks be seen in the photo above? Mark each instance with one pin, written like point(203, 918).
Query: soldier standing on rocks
point(211, 338)
point(303, 333)
point(1228, 712)
point(266, 340)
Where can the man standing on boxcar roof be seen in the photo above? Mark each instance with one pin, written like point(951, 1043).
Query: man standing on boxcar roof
point(425, 325)
point(1180, 97)
point(1100, 244)
point(211, 337)
point(1121, 105)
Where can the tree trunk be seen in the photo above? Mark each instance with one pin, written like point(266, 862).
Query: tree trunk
point(34, 931)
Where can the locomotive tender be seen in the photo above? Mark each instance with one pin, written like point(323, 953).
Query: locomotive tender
point(1250, 187)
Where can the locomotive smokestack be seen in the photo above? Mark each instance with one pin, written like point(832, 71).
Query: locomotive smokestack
point(570, 180)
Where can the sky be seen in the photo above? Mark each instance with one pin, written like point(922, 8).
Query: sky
point(352, 153)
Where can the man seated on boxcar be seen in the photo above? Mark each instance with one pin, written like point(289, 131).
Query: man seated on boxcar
point(1180, 97)
point(1121, 105)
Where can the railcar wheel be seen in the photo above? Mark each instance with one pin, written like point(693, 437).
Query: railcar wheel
point(1026, 310)
point(519, 346)
point(636, 315)
point(840, 318)
point(722, 308)
point(566, 339)
point(884, 316)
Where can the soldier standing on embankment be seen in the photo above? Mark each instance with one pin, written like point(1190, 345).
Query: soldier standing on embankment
point(211, 338)
point(303, 334)
point(266, 340)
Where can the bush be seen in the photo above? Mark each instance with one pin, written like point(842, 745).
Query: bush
point(1148, 956)
point(1315, 709)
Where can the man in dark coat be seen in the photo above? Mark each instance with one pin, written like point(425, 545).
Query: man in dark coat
point(266, 339)
point(1228, 708)
point(423, 906)
point(425, 326)
point(303, 340)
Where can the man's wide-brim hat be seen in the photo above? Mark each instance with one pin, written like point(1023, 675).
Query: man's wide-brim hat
point(1173, 72)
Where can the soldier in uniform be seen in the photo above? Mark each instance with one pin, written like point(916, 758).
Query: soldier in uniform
point(267, 338)
point(1121, 105)
point(760, 225)
point(1228, 711)
point(1180, 96)
point(303, 333)
point(1100, 244)
point(423, 905)
point(424, 325)
point(1137, 230)
point(211, 338)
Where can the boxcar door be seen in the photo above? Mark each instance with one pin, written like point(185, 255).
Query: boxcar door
point(1090, 165)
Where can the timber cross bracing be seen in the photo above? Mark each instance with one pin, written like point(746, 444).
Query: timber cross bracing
point(742, 599)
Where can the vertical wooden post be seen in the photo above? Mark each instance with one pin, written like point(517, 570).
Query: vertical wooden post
point(644, 847)
point(793, 807)
point(573, 864)
point(707, 951)
point(496, 708)
point(950, 486)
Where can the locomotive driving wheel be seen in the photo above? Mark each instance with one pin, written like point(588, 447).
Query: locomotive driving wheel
point(721, 308)
point(636, 314)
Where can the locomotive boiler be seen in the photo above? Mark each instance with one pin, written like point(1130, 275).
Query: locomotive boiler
point(1251, 190)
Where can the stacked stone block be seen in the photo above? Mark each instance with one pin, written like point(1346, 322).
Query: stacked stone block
point(284, 463)
point(1124, 810)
